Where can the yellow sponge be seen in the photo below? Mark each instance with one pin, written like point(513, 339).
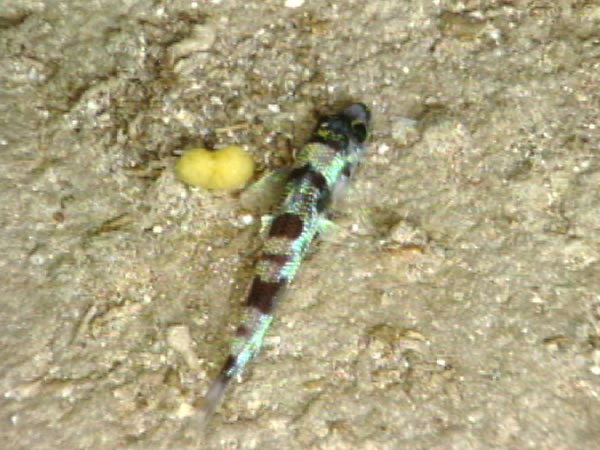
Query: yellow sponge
point(226, 169)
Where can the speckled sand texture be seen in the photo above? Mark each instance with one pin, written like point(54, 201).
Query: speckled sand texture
point(458, 306)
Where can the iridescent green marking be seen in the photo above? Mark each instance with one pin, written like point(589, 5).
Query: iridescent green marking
point(324, 160)
point(245, 350)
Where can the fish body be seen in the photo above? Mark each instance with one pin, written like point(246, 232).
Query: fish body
point(322, 167)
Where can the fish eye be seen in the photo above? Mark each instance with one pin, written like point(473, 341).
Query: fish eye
point(359, 130)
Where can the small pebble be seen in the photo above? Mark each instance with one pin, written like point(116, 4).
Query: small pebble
point(404, 130)
point(293, 3)
point(179, 338)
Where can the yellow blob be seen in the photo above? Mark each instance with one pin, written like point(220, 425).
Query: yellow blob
point(226, 169)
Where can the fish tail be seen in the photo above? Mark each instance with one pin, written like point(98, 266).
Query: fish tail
point(249, 337)
point(211, 401)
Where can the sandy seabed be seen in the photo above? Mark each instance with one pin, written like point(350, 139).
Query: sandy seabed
point(458, 307)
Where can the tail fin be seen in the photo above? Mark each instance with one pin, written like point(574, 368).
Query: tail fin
point(212, 399)
point(249, 337)
point(205, 408)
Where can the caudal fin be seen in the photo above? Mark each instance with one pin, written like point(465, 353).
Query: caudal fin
point(212, 399)
point(246, 345)
point(196, 424)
